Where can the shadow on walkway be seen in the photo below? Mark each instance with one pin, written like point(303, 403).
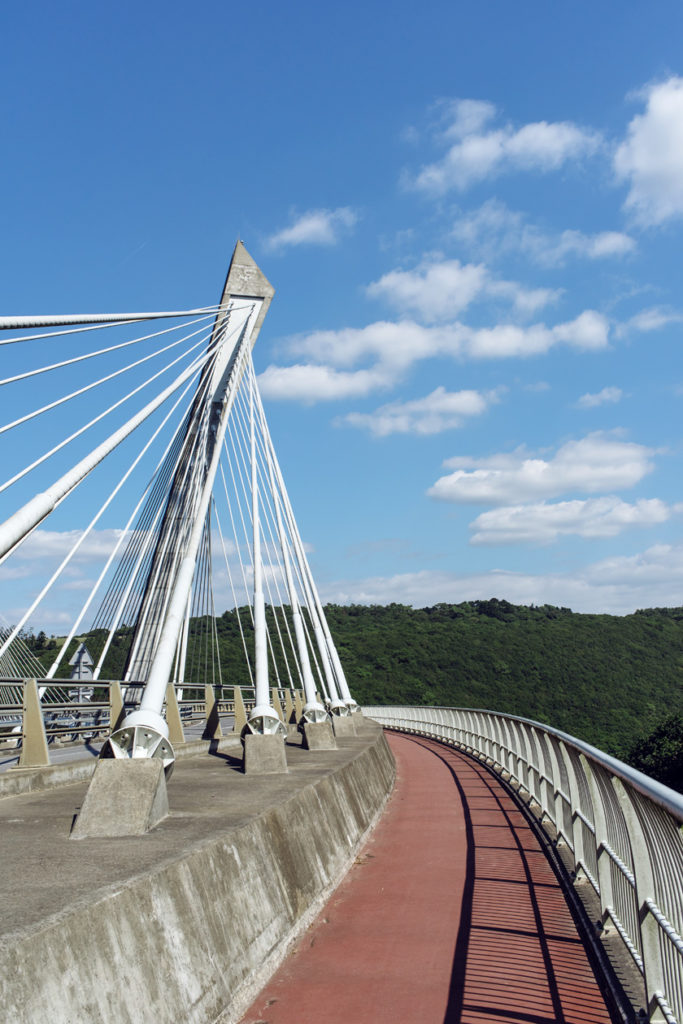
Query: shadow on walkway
point(518, 956)
point(452, 914)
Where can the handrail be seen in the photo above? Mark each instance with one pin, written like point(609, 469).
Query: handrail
point(624, 829)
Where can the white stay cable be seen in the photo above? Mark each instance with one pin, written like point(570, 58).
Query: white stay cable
point(215, 651)
point(150, 538)
point(21, 323)
point(254, 475)
point(99, 325)
point(296, 540)
point(172, 547)
point(16, 528)
point(101, 416)
point(275, 567)
point(333, 672)
point(234, 598)
point(97, 352)
point(268, 489)
point(149, 541)
point(304, 662)
point(181, 655)
point(260, 631)
point(275, 570)
point(152, 700)
point(234, 533)
point(76, 546)
point(124, 532)
point(106, 379)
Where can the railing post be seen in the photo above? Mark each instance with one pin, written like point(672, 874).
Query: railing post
point(115, 706)
point(533, 768)
point(497, 745)
point(507, 756)
point(173, 720)
point(290, 715)
point(544, 784)
point(239, 710)
point(212, 729)
point(653, 966)
point(34, 753)
point(558, 798)
point(601, 837)
point(275, 703)
point(523, 760)
point(574, 806)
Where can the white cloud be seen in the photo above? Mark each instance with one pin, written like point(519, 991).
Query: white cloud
point(435, 290)
point(650, 160)
point(394, 347)
point(441, 410)
point(400, 345)
point(310, 383)
point(616, 585)
point(652, 319)
point(315, 227)
point(606, 396)
point(597, 462)
point(55, 544)
point(493, 229)
point(461, 118)
point(477, 153)
point(438, 290)
point(589, 331)
point(543, 523)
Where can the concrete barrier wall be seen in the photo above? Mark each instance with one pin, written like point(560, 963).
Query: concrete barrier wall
point(194, 939)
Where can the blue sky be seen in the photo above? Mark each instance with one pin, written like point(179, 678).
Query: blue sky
point(472, 218)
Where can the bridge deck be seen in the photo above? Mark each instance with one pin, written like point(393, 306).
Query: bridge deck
point(452, 913)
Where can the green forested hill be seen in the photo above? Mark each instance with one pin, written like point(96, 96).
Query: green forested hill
point(609, 680)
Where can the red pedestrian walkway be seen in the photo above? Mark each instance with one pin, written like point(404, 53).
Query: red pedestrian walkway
point(452, 913)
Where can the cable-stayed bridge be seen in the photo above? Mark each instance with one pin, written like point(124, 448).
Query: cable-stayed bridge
point(137, 443)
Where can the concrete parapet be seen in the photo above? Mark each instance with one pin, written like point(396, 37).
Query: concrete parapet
point(187, 922)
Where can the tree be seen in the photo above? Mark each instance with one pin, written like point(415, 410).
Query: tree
point(660, 754)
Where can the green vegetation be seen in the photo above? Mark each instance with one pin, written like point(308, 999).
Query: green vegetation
point(609, 680)
point(660, 754)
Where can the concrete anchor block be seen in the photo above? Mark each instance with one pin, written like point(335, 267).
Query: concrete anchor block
point(318, 736)
point(125, 798)
point(264, 755)
point(343, 725)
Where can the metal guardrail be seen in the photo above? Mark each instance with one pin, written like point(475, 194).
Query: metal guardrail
point(35, 714)
point(624, 829)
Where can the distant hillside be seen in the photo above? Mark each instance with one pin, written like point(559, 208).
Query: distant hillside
point(609, 680)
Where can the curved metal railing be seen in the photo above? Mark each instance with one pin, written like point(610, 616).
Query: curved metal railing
point(624, 829)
